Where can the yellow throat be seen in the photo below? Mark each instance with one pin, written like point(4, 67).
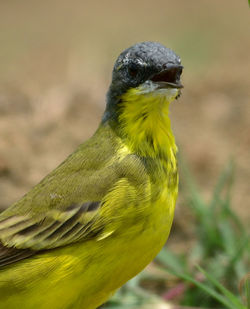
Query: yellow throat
point(144, 118)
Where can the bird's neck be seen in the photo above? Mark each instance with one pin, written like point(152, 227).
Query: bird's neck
point(144, 125)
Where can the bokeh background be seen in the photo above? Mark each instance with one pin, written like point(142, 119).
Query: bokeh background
point(56, 59)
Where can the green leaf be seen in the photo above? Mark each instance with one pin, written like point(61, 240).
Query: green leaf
point(170, 260)
point(235, 303)
point(220, 298)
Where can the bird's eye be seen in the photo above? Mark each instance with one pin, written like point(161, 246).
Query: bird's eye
point(133, 69)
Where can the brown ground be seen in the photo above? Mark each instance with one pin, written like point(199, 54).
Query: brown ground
point(56, 59)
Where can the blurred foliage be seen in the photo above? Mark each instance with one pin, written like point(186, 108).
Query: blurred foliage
point(221, 249)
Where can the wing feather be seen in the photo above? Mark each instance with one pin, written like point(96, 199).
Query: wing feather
point(12, 255)
point(21, 239)
point(47, 218)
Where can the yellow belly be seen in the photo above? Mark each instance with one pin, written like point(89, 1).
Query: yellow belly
point(85, 275)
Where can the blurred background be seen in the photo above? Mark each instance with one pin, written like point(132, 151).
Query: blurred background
point(56, 59)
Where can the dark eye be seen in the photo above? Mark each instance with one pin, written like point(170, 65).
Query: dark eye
point(133, 69)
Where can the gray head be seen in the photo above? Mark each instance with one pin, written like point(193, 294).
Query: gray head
point(146, 64)
point(144, 61)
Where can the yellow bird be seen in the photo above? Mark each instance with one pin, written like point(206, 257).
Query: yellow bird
point(103, 214)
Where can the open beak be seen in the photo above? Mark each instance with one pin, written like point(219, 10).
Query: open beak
point(169, 77)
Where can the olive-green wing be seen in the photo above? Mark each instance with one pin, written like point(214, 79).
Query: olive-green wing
point(12, 255)
point(23, 236)
point(24, 233)
point(54, 229)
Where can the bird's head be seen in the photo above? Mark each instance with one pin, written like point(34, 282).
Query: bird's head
point(145, 69)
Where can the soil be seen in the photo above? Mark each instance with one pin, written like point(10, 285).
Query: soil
point(56, 61)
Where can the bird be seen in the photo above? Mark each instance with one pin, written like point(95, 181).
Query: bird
point(105, 212)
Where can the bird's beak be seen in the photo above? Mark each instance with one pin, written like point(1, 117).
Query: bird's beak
point(169, 77)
